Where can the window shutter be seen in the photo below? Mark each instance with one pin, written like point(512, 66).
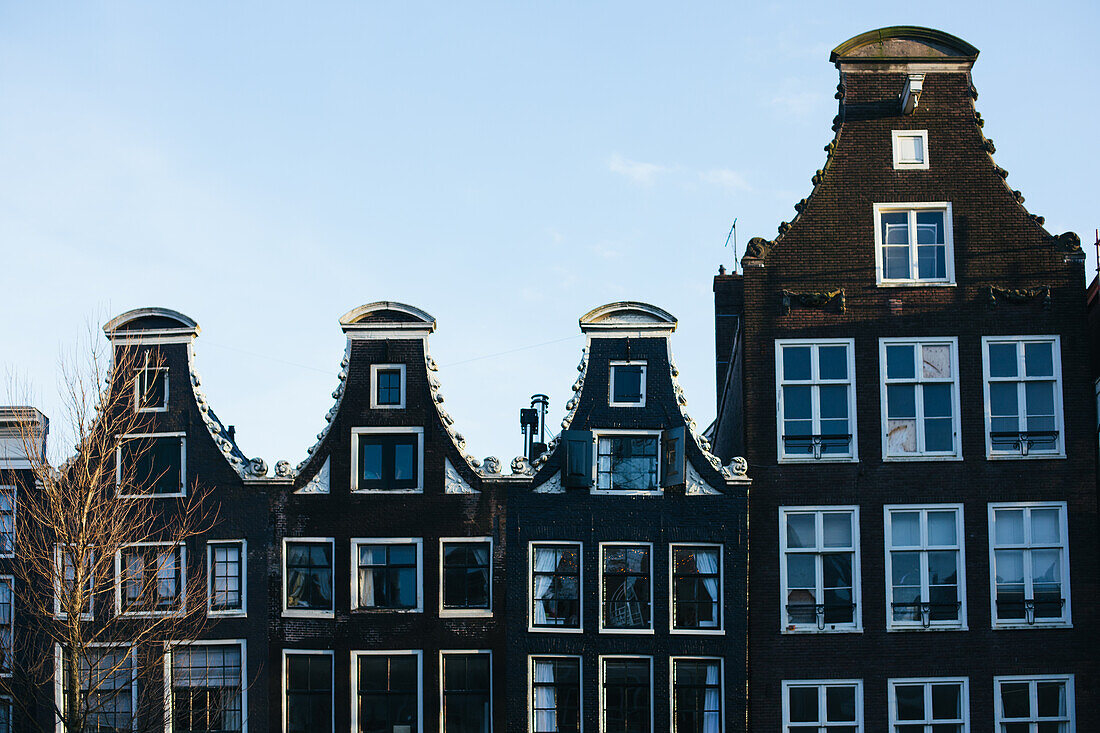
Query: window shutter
point(576, 469)
point(673, 461)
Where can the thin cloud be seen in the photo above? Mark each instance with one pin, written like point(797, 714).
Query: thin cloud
point(643, 174)
point(725, 178)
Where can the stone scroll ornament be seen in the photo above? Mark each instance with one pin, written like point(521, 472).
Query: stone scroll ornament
point(1018, 295)
point(820, 299)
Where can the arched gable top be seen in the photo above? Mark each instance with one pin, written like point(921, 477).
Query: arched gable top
point(628, 316)
point(161, 321)
point(904, 44)
point(387, 315)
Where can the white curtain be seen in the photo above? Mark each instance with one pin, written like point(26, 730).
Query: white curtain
point(712, 720)
point(366, 587)
point(546, 707)
point(706, 562)
point(546, 562)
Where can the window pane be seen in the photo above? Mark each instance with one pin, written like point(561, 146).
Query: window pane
point(796, 363)
point(404, 462)
point(803, 704)
point(910, 702)
point(832, 362)
point(1045, 526)
point(947, 701)
point(370, 461)
point(895, 227)
point(896, 263)
point(837, 529)
point(905, 529)
point(1009, 526)
point(936, 361)
point(800, 530)
point(1051, 699)
point(628, 383)
point(840, 704)
point(834, 404)
point(899, 362)
point(901, 401)
point(941, 528)
point(1015, 699)
point(1039, 359)
point(1002, 360)
point(930, 228)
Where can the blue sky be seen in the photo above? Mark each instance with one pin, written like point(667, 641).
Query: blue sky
point(265, 167)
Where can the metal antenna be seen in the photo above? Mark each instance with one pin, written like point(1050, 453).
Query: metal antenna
point(733, 234)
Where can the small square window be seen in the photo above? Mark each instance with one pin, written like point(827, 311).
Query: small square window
point(307, 577)
point(466, 577)
point(826, 705)
point(387, 386)
point(1040, 703)
point(913, 244)
point(628, 384)
point(910, 149)
point(384, 461)
point(151, 465)
point(150, 579)
point(933, 704)
point(387, 574)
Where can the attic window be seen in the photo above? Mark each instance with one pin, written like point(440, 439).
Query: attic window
point(387, 386)
point(910, 149)
point(151, 387)
point(628, 384)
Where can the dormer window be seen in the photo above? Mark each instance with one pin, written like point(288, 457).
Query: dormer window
point(628, 384)
point(913, 244)
point(387, 459)
point(151, 387)
point(387, 386)
point(910, 149)
point(627, 462)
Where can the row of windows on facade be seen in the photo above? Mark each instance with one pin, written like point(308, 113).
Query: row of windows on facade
point(205, 685)
point(925, 567)
point(919, 380)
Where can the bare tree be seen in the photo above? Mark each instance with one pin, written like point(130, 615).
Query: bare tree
point(105, 580)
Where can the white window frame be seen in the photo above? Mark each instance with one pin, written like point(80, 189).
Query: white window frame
point(141, 371)
point(603, 658)
point(12, 491)
point(58, 570)
point(183, 464)
point(856, 625)
point(1071, 708)
point(332, 676)
point(815, 404)
point(1066, 620)
point(912, 207)
point(904, 165)
point(171, 645)
point(611, 383)
point(308, 612)
point(463, 612)
point(918, 343)
point(6, 702)
point(182, 610)
point(599, 579)
point(960, 536)
point(243, 610)
point(610, 433)
point(387, 430)
point(419, 654)
point(419, 542)
point(821, 685)
point(59, 681)
point(9, 653)
point(927, 682)
point(531, 545)
point(1020, 379)
point(531, 686)
point(672, 660)
point(492, 692)
point(374, 403)
point(719, 630)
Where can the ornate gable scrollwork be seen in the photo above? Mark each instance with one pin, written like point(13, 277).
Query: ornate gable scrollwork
point(453, 483)
point(759, 247)
point(218, 432)
point(434, 386)
point(319, 484)
point(1018, 295)
point(818, 299)
point(338, 395)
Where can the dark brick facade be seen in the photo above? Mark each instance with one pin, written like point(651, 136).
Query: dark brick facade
point(1011, 278)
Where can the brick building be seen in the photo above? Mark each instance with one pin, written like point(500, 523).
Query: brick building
point(906, 366)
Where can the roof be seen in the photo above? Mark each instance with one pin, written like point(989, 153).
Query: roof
point(904, 43)
point(387, 315)
point(628, 315)
point(152, 319)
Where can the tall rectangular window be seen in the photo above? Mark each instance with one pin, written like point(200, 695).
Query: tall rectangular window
point(151, 465)
point(151, 386)
point(626, 694)
point(1029, 564)
point(555, 694)
point(913, 243)
point(627, 462)
point(466, 575)
point(816, 383)
point(387, 386)
point(68, 597)
point(1038, 704)
point(920, 398)
point(387, 461)
point(467, 692)
point(929, 706)
point(388, 575)
point(829, 706)
point(628, 384)
point(925, 584)
point(819, 570)
point(7, 622)
point(387, 692)
point(1023, 396)
point(151, 578)
point(626, 572)
point(696, 695)
point(107, 684)
point(7, 521)
point(207, 690)
point(307, 576)
point(696, 587)
point(308, 691)
point(226, 563)
point(5, 715)
point(555, 585)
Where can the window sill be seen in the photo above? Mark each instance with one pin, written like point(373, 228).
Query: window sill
point(472, 613)
point(1028, 457)
point(227, 614)
point(179, 495)
point(918, 628)
point(287, 613)
point(626, 404)
point(151, 409)
point(388, 491)
point(554, 630)
point(1036, 625)
point(811, 460)
point(374, 609)
point(697, 632)
point(921, 457)
point(815, 630)
point(617, 492)
point(915, 284)
point(151, 614)
point(637, 632)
